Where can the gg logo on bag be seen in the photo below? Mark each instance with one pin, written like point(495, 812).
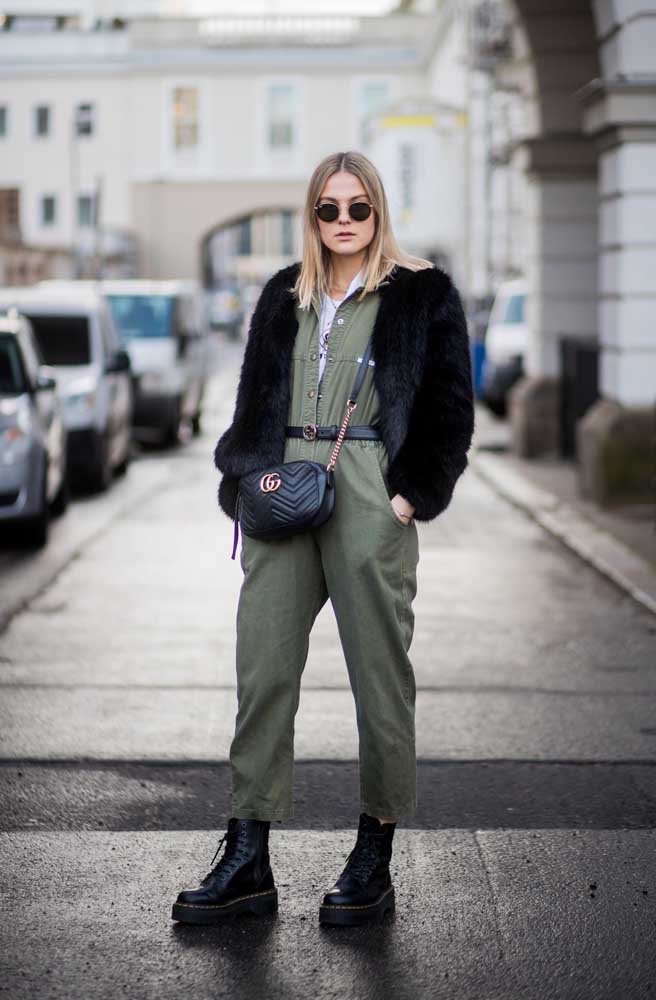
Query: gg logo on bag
point(270, 482)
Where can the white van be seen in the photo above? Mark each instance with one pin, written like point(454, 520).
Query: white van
point(506, 342)
point(166, 336)
point(78, 340)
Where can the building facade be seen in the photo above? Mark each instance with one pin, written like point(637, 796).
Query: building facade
point(586, 75)
point(170, 128)
point(561, 189)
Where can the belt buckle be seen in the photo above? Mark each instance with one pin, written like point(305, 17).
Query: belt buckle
point(309, 431)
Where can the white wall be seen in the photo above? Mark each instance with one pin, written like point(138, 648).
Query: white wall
point(60, 164)
point(130, 77)
point(448, 82)
point(132, 140)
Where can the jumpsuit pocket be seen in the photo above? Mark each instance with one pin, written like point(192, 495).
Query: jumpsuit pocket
point(373, 453)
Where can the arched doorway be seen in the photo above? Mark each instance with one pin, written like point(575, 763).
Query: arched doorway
point(239, 254)
point(252, 244)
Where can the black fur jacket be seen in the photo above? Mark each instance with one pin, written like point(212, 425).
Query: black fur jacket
point(422, 377)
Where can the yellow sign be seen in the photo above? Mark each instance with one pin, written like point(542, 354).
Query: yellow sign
point(414, 121)
point(458, 118)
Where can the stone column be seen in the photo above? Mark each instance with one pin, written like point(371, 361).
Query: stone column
point(561, 272)
point(615, 439)
point(554, 54)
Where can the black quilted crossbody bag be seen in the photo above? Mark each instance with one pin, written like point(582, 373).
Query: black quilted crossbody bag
point(281, 500)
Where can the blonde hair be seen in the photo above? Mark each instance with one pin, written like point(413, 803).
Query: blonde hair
point(383, 253)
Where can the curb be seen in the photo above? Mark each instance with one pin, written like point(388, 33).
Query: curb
point(597, 547)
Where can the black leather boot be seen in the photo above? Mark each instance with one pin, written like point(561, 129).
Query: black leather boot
point(364, 891)
point(241, 882)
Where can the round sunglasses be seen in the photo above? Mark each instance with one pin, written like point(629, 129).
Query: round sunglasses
point(358, 211)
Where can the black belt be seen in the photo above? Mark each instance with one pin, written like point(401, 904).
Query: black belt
point(358, 432)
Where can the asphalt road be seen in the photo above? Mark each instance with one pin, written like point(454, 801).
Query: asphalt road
point(530, 867)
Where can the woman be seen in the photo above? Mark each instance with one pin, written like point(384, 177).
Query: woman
point(398, 464)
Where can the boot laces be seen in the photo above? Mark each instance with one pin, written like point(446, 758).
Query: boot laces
point(364, 858)
point(234, 856)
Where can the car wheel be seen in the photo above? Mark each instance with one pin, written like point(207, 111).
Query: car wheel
point(496, 405)
point(35, 529)
point(62, 497)
point(172, 432)
point(122, 467)
point(100, 475)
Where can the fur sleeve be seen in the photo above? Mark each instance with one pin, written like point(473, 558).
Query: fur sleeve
point(257, 428)
point(225, 452)
point(441, 426)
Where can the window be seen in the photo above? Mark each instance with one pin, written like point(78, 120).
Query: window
point(4, 120)
point(12, 373)
point(514, 312)
point(42, 120)
point(287, 232)
point(137, 316)
point(186, 130)
point(62, 340)
point(373, 98)
point(48, 210)
point(185, 117)
point(281, 114)
point(86, 210)
point(508, 307)
point(244, 241)
point(84, 119)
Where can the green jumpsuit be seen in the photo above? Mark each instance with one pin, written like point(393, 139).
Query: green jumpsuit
point(365, 560)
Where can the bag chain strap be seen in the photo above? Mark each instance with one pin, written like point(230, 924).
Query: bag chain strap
point(350, 406)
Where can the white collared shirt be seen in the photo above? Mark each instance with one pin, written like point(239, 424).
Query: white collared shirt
point(328, 309)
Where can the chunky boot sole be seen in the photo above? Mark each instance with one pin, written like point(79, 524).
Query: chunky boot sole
point(353, 915)
point(259, 903)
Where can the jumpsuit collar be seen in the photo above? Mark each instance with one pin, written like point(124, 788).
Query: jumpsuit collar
point(353, 288)
point(316, 301)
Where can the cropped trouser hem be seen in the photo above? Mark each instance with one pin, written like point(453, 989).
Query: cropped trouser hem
point(262, 814)
point(393, 812)
point(371, 808)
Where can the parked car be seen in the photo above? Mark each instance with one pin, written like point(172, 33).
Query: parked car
point(226, 311)
point(33, 473)
point(162, 326)
point(505, 345)
point(77, 338)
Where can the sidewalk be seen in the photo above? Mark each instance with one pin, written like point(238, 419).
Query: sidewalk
point(620, 543)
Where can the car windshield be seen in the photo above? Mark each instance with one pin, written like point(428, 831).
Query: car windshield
point(64, 340)
point(12, 376)
point(139, 316)
point(514, 311)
